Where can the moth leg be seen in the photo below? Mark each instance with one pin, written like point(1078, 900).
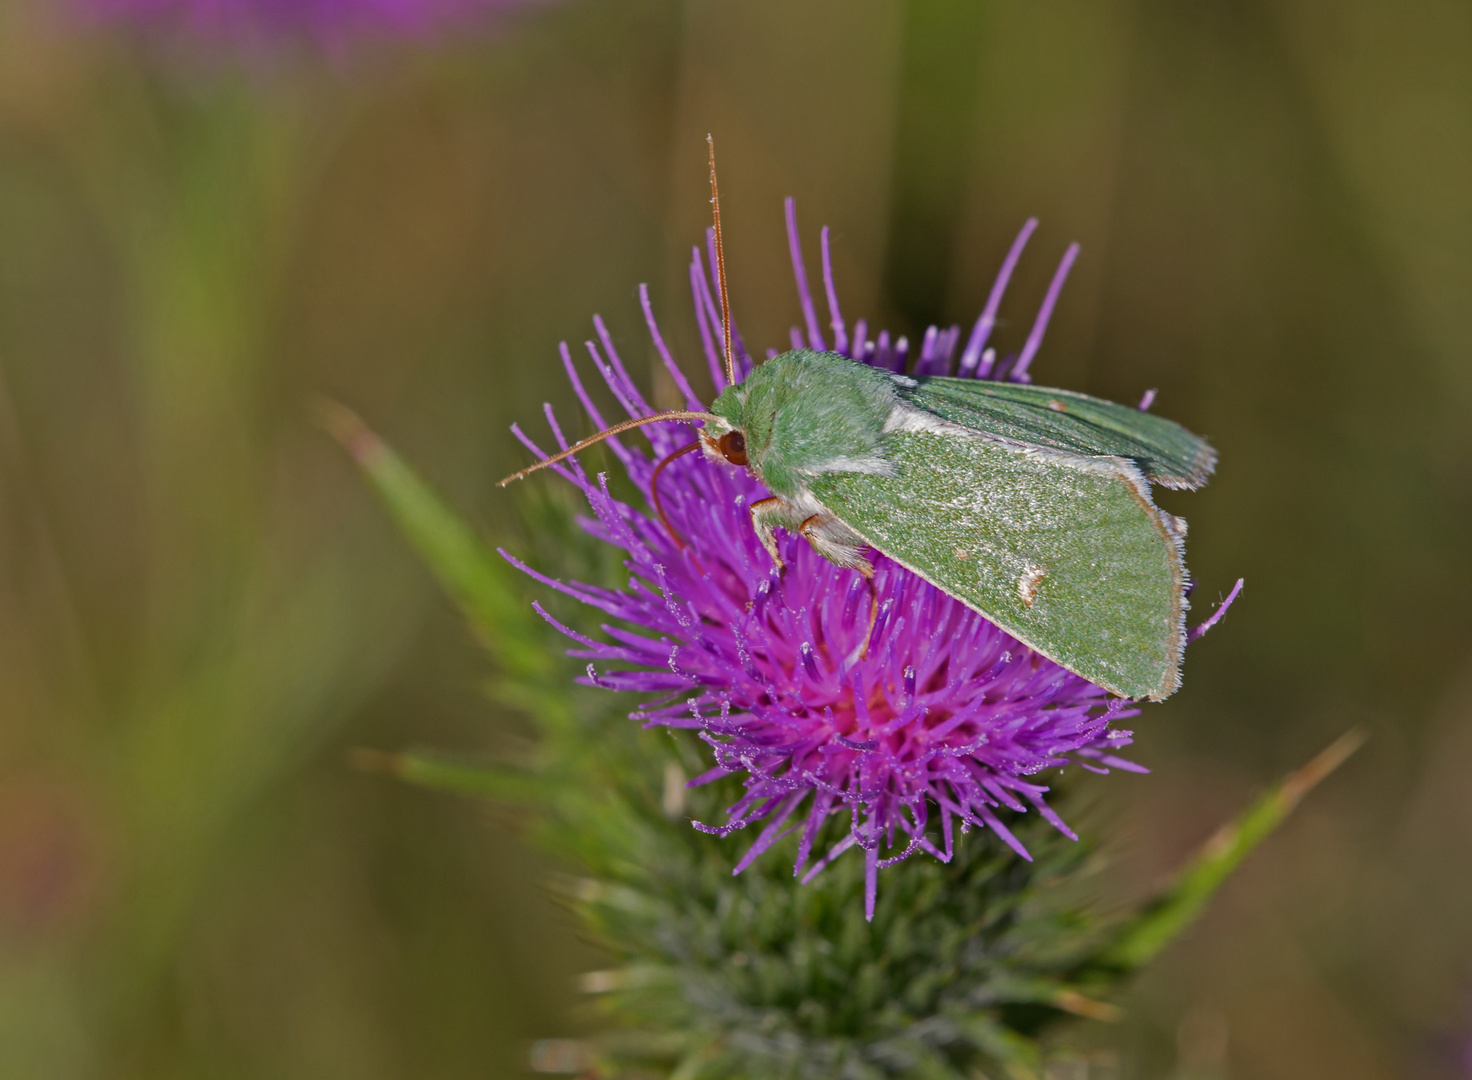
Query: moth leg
point(774, 513)
point(837, 543)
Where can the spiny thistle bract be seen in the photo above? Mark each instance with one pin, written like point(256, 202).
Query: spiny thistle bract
point(958, 964)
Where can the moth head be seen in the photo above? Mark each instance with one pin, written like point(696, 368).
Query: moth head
point(724, 437)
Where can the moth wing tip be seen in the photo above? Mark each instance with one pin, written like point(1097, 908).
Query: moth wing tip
point(1170, 683)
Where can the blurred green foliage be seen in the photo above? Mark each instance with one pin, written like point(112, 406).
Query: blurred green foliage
point(202, 612)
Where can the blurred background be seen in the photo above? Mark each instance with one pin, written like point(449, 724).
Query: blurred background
point(208, 218)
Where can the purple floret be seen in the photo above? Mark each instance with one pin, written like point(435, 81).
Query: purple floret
point(940, 722)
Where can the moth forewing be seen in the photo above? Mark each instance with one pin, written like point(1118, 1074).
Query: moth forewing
point(1065, 552)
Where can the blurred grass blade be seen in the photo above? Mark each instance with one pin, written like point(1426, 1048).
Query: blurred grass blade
point(460, 777)
point(1162, 920)
point(474, 576)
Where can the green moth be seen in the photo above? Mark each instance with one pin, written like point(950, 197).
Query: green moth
point(1030, 505)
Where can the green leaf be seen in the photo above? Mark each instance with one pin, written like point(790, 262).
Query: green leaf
point(475, 577)
point(1161, 921)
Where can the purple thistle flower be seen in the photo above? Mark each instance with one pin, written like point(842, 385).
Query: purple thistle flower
point(942, 721)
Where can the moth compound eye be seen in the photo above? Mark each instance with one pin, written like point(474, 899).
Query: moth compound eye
point(732, 446)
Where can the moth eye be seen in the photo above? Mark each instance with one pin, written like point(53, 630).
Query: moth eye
point(732, 446)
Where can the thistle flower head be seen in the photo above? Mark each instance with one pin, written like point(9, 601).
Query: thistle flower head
point(886, 737)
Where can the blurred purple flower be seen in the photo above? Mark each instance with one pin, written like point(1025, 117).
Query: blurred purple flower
point(943, 719)
point(330, 22)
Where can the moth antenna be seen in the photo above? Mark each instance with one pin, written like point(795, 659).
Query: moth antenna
point(591, 439)
point(715, 203)
point(654, 491)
